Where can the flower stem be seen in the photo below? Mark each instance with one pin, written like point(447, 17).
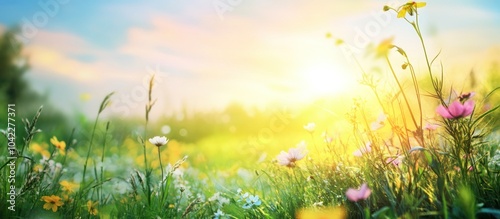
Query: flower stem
point(161, 166)
point(102, 159)
point(402, 91)
point(437, 86)
point(90, 149)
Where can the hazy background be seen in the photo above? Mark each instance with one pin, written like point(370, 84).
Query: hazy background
point(206, 54)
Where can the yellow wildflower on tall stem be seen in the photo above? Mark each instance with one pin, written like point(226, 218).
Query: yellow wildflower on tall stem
point(410, 8)
point(52, 202)
point(40, 149)
point(91, 207)
point(68, 186)
point(61, 145)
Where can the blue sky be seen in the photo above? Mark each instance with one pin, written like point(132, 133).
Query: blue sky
point(256, 52)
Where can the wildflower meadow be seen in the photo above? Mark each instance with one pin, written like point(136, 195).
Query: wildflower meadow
point(414, 145)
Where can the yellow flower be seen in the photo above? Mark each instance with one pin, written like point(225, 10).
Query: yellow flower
point(91, 207)
point(66, 198)
point(68, 186)
point(61, 145)
point(52, 202)
point(41, 150)
point(384, 47)
point(38, 168)
point(410, 7)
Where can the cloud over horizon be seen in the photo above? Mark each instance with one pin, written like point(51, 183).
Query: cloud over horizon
point(260, 52)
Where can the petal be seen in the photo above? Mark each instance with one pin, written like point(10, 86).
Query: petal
point(352, 194)
point(363, 188)
point(296, 153)
point(382, 117)
point(357, 153)
point(54, 141)
point(367, 193)
point(456, 109)
point(402, 12)
point(374, 126)
point(468, 108)
point(368, 148)
point(420, 4)
point(364, 191)
point(471, 94)
point(283, 159)
point(293, 151)
point(431, 126)
point(301, 155)
point(441, 110)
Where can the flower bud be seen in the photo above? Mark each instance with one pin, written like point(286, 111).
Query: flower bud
point(404, 65)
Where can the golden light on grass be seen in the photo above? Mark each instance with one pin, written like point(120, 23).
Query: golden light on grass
point(335, 136)
point(325, 213)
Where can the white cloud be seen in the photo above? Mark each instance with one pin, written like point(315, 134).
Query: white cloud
point(256, 54)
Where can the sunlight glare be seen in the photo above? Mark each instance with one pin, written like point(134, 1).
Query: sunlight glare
point(324, 79)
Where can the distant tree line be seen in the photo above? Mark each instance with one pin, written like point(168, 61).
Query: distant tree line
point(15, 88)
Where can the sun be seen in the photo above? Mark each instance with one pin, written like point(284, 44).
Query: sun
point(324, 79)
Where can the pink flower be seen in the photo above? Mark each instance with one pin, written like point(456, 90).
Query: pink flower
point(395, 160)
point(328, 139)
point(466, 96)
point(366, 149)
point(379, 123)
point(431, 126)
point(456, 109)
point(374, 126)
point(310, 127)
point(293, 155)
point(361, 194)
